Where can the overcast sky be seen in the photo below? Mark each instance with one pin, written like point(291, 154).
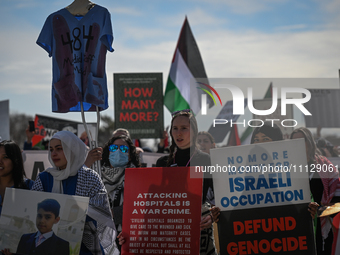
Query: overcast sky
point(236, 38)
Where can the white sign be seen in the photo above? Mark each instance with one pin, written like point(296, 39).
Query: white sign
point(260, 175)
point(35, 161)
point(149, 159)
point(20, 221)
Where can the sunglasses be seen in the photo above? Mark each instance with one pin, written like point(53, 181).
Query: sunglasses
point(176, 112)
point(114, 148)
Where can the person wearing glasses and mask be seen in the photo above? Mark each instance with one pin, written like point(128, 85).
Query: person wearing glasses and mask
point(118, 153)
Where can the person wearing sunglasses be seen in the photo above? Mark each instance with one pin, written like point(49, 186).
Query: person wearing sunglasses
point(68, 175)
point(118, 153)
point(184, 151)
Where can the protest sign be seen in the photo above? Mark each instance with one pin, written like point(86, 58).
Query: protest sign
point(139, 104)
point(46, 127)
point(162, 211)
point(149, 159)
point(35, 161)
point(263, 193)
point(4, 123)
point(92, 127)
point(19, 221)
point(323, 106)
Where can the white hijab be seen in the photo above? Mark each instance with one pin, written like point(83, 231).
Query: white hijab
point(75, 152)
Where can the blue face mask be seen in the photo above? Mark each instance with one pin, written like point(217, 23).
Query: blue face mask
point(118, 158)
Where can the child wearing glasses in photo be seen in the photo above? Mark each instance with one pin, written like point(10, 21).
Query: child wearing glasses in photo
point(118, 153)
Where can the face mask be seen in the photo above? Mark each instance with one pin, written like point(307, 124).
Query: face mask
point(118, 158)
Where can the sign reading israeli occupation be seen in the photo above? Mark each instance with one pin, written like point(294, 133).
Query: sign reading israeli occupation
point(138, 99)
point(263, 194)
point(162, 211)
point(35, 161)
point(22, 216)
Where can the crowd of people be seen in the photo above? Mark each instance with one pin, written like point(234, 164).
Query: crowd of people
point(71, 174)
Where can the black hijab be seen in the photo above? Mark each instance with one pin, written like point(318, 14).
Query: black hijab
point(271, 130)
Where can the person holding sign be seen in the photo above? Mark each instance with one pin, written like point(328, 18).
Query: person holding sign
point(12, 173)
point(184, 151)
point(118, 153)
point(69, 175)
point(323, 184)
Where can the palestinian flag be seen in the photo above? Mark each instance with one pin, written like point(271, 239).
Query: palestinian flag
point(234, 139)
point(186, 66)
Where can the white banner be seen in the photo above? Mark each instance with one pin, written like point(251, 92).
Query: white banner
point(149, 159)
point(22, 215)
point(35, 161)
point(260, 175)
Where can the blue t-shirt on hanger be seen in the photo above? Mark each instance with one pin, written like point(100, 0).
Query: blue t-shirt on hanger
point(78, 49)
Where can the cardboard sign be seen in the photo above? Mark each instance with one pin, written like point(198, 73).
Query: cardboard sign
point(35, 161)
point(139, 104)
point(4, 123)
point(162, 211)
point(263, 193)
point(19, 221)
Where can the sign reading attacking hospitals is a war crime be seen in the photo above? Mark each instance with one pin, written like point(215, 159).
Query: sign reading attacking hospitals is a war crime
point(162, 211)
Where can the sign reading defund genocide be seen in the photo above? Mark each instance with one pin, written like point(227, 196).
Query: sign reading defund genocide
point(162, 211)
point(263, 193)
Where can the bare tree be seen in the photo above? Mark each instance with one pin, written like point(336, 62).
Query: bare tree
point(105, 130)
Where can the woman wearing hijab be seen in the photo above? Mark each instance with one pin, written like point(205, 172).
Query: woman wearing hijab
point(269, 132)
point(69, 175)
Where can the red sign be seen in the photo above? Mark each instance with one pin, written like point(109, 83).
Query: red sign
point(162, 211)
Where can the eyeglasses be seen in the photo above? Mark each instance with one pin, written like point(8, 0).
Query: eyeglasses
point(114, 147)
point(185, 110)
